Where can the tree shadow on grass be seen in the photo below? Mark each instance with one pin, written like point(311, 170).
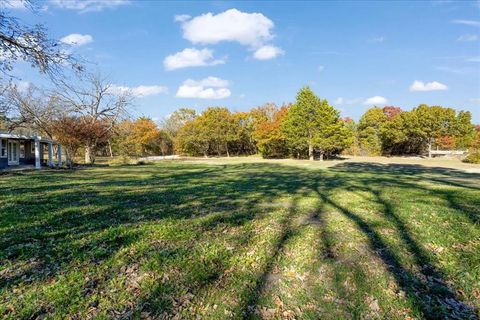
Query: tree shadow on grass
point(70, 219)
point(204, 200)
point(427, 288)
point(415, 176)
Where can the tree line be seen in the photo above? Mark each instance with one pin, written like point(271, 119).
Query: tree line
point(91, 120)
point(311, 128)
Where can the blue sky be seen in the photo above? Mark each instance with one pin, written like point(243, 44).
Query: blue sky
point(244, 54)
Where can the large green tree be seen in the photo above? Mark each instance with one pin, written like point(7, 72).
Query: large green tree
point(433, 123)
point(313, 124)
point(464, 130)
point(370, 128)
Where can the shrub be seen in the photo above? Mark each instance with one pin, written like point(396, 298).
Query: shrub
point(473, 157)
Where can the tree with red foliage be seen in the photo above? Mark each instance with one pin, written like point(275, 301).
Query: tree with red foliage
point(391, 111)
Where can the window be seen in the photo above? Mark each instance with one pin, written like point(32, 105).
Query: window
point(32, 147)
point(3, 148)
point(22, 149)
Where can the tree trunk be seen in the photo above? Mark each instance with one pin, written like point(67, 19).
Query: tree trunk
point(310, 151)
point(89, 154)
point(205, 155)
point(68, 159)
point(430, 149)
point(110, 149)
point(226, 148)
point(321, 155)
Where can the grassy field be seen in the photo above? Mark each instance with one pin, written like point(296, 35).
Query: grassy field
point(217, 240)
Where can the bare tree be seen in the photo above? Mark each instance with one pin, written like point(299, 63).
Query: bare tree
point(94, 100)
point(32, 110)
point(31, 44)
point(21, 42)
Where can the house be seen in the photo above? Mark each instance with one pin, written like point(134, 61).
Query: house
point(20, 150)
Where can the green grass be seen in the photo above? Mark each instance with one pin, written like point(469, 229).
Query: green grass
point(240, 240)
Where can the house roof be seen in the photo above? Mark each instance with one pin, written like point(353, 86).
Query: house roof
point(6, 135)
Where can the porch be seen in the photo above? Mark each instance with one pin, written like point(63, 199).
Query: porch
point(19, 150)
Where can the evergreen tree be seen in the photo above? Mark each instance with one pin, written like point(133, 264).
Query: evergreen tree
point(312, 123)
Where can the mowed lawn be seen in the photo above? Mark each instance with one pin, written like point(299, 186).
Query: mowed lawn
point(240, 240)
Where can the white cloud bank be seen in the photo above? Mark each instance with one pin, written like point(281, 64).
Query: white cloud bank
point(377, 39)
point(375, 100)
point(250, 29)
point(253, 30)
point(76, 39)
point(140, 91)
point(208, 88)
point(474, 100)
point(468, 37)
point(429, 86)
point(341, 100)
point(473, 23)
point(191, 57)
point(268, 52)
point(181, 17)
point(88, 5)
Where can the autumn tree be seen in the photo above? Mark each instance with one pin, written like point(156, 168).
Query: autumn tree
point(391, 112)
point(94, 100)
point(69, 131)
point(121, 141)
point(270, 138)
point(173, 123)
point(192, 139)
point(164, 142)
point(145, 136)
point(474, 150)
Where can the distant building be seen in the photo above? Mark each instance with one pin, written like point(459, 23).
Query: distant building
point(20, 150)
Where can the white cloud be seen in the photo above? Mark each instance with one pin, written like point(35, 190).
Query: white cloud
point(468, 37)
point(377, 39)
point(429, 86)
point(76, 39)
point(140, 91)
point(321, 68)
point(473, 23)
point(375, 100)
point(88, 5)
point(191, 57)
point(250, 29)
point(181, 17)
point(267, 52)
point(474, 100)
point(341, 100)
point(208, 88)
point(209, 82)
point(454, 70)
point(474, 59)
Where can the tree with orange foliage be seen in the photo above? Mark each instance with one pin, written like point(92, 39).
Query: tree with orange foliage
point(271, 141)
point(144, 136)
